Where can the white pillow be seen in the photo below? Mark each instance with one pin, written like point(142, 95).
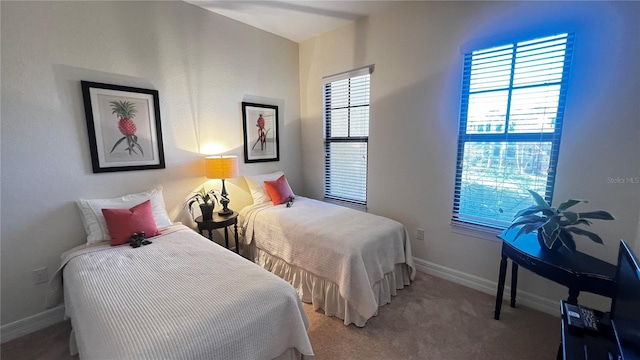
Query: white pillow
point(257, 188)
point(95, 224)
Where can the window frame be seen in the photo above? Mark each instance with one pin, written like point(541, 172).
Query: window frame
point(506, 136)
point(328, 139)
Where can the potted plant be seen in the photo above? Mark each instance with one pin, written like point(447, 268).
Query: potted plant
point(206, 200)
point(556, 225)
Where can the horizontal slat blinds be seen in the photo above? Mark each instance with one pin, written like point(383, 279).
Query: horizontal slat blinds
point(513, 100)
point(346, 120)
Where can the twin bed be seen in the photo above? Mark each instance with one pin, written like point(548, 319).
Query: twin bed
point(346, 262)
point(185, 297)
point(181, 297)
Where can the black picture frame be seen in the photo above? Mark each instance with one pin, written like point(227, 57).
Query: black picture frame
point(261, 134)
point(120, 143)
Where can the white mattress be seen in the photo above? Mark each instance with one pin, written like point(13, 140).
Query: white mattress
point(182, 297)
point(353, 257)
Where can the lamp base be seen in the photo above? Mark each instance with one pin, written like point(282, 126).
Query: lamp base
point(224, 212)
point(224, 200)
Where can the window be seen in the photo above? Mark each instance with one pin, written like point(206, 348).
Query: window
point(346, 135)
point(513, 100)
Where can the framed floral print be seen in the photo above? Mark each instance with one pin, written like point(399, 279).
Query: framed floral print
point(260, 125)
point(124, 127)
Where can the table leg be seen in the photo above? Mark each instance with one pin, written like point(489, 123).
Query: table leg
point(514, 283)
point(573, 296)
point(235, 230)
point(226, 238)
point(501, 279)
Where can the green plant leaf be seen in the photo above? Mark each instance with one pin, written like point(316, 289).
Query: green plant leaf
point(580, 221)
point(189, 205)
point(567, 204)
point(526, 229)
point(549, 240)
point(131, 145)
point(212, 197)
point(550, 231)
point(551, 225)
point(539, 200)
point(567, 240)
point(533, 209)
point(117, 143)
point(139, 147)
point(528, 211)
point(599, 215)
point(571, 217)
point(589, 234)
point(528, 219)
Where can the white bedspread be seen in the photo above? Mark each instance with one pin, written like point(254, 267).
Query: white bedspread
point(181, 297)
point(350, 248)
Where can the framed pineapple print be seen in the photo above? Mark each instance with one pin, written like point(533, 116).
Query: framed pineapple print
point(124, 127)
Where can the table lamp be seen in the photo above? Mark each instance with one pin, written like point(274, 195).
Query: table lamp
point(222, 167)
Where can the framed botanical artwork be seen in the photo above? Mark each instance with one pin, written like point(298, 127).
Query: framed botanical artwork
point(260, 124)
point(124, 127)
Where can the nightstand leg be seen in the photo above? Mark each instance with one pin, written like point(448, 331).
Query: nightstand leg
point(514, 283)
point(226, 238)
point(235, 230)
point(501, 279)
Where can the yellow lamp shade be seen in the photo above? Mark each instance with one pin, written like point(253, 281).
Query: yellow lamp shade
point(221, 167)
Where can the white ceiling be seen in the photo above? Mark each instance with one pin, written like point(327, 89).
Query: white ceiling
point(294, 20)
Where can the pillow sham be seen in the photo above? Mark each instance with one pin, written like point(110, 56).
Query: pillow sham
point(257, 188)
point(93, 219)
point(279, 190)
point(122, 223)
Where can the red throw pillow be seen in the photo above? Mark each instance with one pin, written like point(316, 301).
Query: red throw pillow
point(279, 190)
point(122, 223)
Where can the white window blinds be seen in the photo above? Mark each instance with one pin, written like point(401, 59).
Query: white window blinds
point(346, 135)
point(513, 100)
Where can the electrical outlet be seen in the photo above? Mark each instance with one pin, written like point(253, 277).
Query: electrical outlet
point(420, 234)
point(40, 275)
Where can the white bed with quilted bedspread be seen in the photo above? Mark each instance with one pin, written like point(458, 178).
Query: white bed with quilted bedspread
point(181, 297)
point(343, 261)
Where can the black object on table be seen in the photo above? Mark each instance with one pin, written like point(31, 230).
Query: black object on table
point(577, 271)
point(582, 344)
point(220, 222)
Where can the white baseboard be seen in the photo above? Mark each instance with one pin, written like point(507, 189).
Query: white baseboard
point(31, 324)
point(527, 299)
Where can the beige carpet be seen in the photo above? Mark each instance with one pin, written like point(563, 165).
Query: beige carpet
point(431, 319)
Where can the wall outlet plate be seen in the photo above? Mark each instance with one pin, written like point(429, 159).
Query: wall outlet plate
point(420, 234)
point(40, 276)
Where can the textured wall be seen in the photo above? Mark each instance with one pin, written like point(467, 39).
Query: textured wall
point(415, 98)
point(203, 65)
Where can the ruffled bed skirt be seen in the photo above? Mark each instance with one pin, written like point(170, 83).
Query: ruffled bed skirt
point(324, 294)
point(290, 354)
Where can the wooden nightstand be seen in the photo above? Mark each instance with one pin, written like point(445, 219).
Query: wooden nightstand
point(219, 222)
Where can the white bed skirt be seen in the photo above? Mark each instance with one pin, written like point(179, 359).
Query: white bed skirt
point(291, 354)
point(324, 294)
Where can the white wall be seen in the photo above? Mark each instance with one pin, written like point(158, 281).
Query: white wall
point(203, 65)
point(415, 99)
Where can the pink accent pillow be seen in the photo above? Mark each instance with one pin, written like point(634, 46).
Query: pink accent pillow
point(122, 223)
point(279, 190)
